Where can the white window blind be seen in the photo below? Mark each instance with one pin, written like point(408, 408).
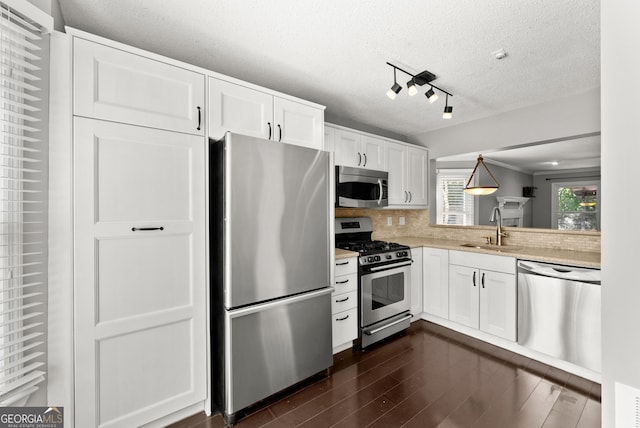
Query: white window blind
point(453, 205)
point(22, 205)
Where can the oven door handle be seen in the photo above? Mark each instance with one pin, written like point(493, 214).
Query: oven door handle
point(379, 329)
point(388, 267)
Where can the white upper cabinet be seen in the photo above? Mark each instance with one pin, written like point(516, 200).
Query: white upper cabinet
point(239, 109)
point(248, 111)
point(298, 124)
point(359, 150)
point(119, 86)
point(408, 175)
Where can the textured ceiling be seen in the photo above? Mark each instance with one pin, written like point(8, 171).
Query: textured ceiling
point(333, 52)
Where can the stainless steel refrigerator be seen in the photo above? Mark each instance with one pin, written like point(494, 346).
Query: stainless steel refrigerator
point(270, 273)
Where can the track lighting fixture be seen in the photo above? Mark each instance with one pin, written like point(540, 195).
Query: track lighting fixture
point(420, 79)
point(481, 190)
point(393, 90)
point(448, 110)
point(431, 95)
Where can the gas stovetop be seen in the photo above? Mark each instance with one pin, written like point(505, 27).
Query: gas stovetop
point(366, 248)
point(377, 252)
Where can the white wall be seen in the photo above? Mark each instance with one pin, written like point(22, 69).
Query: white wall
point(565, 117)
point(620, 237)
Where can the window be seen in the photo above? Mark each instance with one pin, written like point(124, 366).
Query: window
point(576, 205)
point(22, 204)
point(453, 205)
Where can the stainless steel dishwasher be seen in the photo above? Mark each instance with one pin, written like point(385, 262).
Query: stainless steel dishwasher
point(559, 312)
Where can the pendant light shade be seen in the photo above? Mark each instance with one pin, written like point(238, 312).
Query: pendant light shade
point(481, 190)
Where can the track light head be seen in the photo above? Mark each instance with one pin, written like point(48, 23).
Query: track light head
point(431, 95)
point(448, 110)
point(411, 87)
point(393, 91)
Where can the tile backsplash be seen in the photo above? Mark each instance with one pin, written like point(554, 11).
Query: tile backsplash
point(416, 223)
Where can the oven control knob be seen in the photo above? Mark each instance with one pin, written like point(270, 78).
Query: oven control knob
point(389, 256)
point(370, 259)
point(399, 254)
point(377, 258)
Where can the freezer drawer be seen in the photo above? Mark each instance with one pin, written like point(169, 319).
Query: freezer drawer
point(274, 345)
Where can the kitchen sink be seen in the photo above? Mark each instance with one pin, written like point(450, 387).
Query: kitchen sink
point(499, 249)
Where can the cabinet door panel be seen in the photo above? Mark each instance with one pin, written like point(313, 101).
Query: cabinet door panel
point(348, 148)
point(140, 306)
point(239, 109)
point(396, 165)
point(498, 304)
point(138, 179)
point(436, 281)
point(299, 124)
point(374, 153)
point(119, 86)
point(416, 282)
point(417, 176)
point(464, 295)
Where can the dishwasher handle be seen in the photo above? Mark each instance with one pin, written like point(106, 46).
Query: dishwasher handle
point(589, 276)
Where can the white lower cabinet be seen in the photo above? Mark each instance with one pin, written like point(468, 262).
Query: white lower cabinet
point(435, 276)
point(344, 303)
point(139, 273)
point(416, 283)
point(482, 292)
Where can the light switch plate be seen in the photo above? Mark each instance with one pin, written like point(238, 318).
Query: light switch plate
point(389, 221)
point(401, 221)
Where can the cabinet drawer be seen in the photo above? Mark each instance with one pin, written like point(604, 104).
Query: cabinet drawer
point(346, 266)
point(345, 327)
point(346, 283)
point(344, 301)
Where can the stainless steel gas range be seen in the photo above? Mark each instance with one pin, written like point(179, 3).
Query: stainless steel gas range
point(384, 280)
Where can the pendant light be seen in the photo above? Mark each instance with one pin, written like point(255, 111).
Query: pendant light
point(482, 190)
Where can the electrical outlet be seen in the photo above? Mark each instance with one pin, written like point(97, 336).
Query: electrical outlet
point(401, 221)
point(389, 221)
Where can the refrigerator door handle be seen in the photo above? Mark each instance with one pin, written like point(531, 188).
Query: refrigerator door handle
point(235, 313)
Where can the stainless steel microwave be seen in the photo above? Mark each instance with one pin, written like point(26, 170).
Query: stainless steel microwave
point(361, 188)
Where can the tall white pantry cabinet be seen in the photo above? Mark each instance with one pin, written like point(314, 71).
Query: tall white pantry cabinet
point(138, 183)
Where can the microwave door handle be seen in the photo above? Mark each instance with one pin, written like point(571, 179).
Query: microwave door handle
point(380, 197)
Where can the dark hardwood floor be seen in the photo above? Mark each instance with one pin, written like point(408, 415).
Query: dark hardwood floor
point(429, 377)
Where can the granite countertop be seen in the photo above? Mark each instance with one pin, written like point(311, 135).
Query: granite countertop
point(577, 258)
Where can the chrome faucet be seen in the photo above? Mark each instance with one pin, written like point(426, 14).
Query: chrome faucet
point(496, 216)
